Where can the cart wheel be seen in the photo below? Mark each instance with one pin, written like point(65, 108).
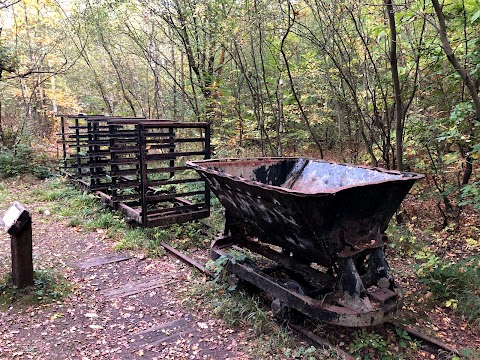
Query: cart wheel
point(279, 309)
point(233, 280)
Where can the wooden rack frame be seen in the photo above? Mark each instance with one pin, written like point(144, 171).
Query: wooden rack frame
point(137, 166)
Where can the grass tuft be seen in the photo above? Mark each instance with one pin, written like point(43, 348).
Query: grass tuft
point(48, 286)
point(241, 310)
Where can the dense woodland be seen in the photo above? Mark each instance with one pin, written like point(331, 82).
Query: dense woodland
point(387, 83)
point(391, 84)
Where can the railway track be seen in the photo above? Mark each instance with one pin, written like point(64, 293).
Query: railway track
point(429, 344)
point(433, 346)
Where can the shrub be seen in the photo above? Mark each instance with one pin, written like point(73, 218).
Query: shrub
point(23, 160)
point(456, 283)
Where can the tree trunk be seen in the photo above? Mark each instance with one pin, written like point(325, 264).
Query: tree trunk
point(174, 88)
point(399, 111)
point(1, 125)
point(447, 48)
point(470, 84)
point(291, 21)
point(182, 84)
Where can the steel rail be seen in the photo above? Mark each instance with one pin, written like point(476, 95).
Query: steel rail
point(430, 344)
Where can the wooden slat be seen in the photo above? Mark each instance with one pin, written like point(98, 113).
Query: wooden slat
point(87, 157)
point(177, 218)
point(168, 169)
point(152, 123)
point(149, 135)
point(172, 155)
point(174, 209)
point(117, 173)
point(124, 162)
point(130, 212)
point(126, 184)
point(99, 127)
point(153, 198)
point(134, 121)
point(123, 132)
point(162, 146)
point(118, 198)
point(99, 153)
point(124, 150)
point(97, 176)
point(189, 140)
point(102, 260)
point(97, 165)
point(78, 136)
point(122, 140)
point(172, 182)
point(133, 288)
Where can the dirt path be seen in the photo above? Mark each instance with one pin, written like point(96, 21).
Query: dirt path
point(119, 310)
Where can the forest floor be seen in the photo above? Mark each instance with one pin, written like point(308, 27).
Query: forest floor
point(138, 308)
point(428, 241)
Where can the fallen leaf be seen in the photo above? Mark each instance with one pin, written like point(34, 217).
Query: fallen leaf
point(95, 327)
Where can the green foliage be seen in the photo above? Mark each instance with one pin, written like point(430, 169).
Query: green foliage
point(218, 267)
point(240, 309)
point(455, 283)
point(235, 308)
point(369, 345)
point(364, 341)
point(402, 239)
point(8, 59)
point(404, 339)
point(140, 239)
point(301, 353)
point(24, 160)
point(468, 353)
point(216, 220)
point(432, 148)
point(456, 127)
point(48, 286)
point(55, 190)
point(105, 219)
point(470, 194)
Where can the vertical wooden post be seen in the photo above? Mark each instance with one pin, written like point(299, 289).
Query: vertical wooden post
point(18, 223)
point(78, 148)
point(22, 261)
point(171, 142)
point(208, 151)
point(142, 147)
point(64, 143)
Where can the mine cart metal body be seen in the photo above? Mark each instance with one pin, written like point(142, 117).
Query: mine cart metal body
point(326, 222)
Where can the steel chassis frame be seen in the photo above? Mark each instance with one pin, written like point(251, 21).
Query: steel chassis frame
point(320, 285)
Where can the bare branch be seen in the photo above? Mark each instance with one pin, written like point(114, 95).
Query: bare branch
point(3, 4)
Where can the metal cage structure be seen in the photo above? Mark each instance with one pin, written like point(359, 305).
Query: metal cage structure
point(137, 165)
